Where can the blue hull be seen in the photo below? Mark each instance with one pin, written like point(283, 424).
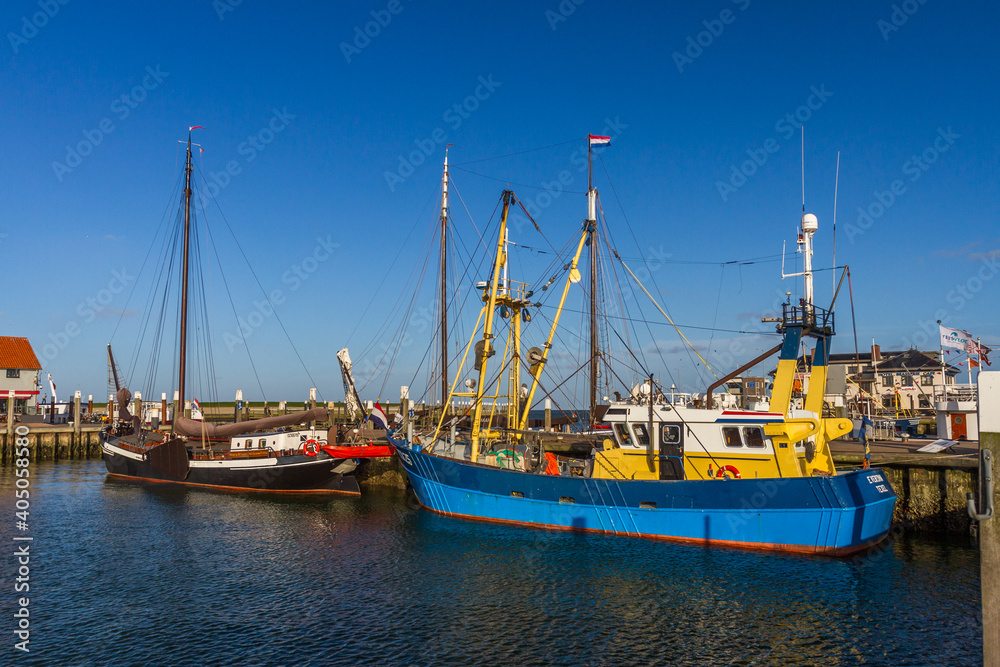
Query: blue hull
point(817, 515)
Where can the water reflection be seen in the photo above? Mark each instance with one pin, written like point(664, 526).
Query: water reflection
point(175, 575)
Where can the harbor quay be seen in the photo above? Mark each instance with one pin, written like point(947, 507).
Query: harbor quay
point(932, 488)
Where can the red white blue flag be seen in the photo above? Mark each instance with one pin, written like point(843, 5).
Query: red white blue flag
point(378, 417)
point(599, 141)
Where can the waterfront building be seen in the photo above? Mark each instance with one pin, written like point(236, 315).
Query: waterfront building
point(20, 374)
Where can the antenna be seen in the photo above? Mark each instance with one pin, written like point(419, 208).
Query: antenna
point(803, 170)
point(836, 183)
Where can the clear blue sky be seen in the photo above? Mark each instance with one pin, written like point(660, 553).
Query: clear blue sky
point(337, 118)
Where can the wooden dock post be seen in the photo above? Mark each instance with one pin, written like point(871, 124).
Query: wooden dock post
point(137, 405)
point(77, 420)
point(989, 529)
point(10, 419)
point(548, 415)
point(312, 404)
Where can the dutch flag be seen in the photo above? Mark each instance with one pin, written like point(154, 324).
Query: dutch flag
point(599, 141)
point(378, 417)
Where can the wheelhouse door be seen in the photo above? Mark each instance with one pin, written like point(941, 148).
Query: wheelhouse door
point(671, 451)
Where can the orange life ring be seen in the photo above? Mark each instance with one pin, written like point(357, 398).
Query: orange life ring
point(306, 449)
point(730, 469)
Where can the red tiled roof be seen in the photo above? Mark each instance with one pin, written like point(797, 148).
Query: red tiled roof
point(16, 352)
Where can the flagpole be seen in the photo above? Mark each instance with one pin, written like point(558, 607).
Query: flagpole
point(969, 362)
point(944, 377)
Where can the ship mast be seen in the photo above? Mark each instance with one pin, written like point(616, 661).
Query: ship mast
point(486, 350)
point(182, 366)
point(444, 285)
point(592, 226)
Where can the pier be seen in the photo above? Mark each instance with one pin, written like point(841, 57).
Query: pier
point(932, 488)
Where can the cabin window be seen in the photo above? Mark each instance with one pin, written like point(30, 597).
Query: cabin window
point(731, 435)
point(671, 434)
point(624, 437)
point(262, 443)
point(13, 372)
point(753, 436)
point(641, 434)
point(302, 438)
point(249, 444)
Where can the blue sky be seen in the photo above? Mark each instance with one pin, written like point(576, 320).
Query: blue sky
point(310, 118)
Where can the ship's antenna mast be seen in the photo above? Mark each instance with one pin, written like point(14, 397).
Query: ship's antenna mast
point(803, 170)
point(809, 226)
point(836, 183)
point(444, 285)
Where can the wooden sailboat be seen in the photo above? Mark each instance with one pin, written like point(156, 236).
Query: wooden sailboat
point(263, 454)
point(705, 476)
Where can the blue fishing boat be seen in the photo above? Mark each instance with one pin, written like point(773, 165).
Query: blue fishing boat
point(698, 474)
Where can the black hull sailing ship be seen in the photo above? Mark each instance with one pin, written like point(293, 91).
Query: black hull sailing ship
point(263, 454)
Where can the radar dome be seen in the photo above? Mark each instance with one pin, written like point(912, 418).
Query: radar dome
point(809, 223)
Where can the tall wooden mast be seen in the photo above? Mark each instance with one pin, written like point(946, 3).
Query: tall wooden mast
point(182, 367)
point(444, 285)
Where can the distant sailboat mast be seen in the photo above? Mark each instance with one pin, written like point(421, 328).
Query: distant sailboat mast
point(444, 284)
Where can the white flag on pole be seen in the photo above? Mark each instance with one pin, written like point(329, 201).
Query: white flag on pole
point(955, 338)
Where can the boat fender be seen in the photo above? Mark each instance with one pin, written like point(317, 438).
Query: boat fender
point(730, 469)
point(310, 448)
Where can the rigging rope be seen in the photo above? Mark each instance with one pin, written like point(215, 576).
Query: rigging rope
point(679, 332)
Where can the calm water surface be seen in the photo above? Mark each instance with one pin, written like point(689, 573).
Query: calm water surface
point(140, 574)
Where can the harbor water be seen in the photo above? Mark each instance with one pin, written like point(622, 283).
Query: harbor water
point(137, 573)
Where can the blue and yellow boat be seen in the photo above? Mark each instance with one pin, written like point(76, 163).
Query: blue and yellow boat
point(699, 475)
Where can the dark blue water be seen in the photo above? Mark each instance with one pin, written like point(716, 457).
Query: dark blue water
point(126, 573)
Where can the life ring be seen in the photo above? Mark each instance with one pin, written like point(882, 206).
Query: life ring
point(310, 451)
point(730, 469)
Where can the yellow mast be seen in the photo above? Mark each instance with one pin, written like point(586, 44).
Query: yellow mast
point(486, 353)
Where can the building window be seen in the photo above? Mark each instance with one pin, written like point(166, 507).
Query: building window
point(754, 436)
point(852, 369)
point(924, 402)
point(926, 380)
point(907, 380)
point(13, 372)
point(887, 380)
point(731, 435)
